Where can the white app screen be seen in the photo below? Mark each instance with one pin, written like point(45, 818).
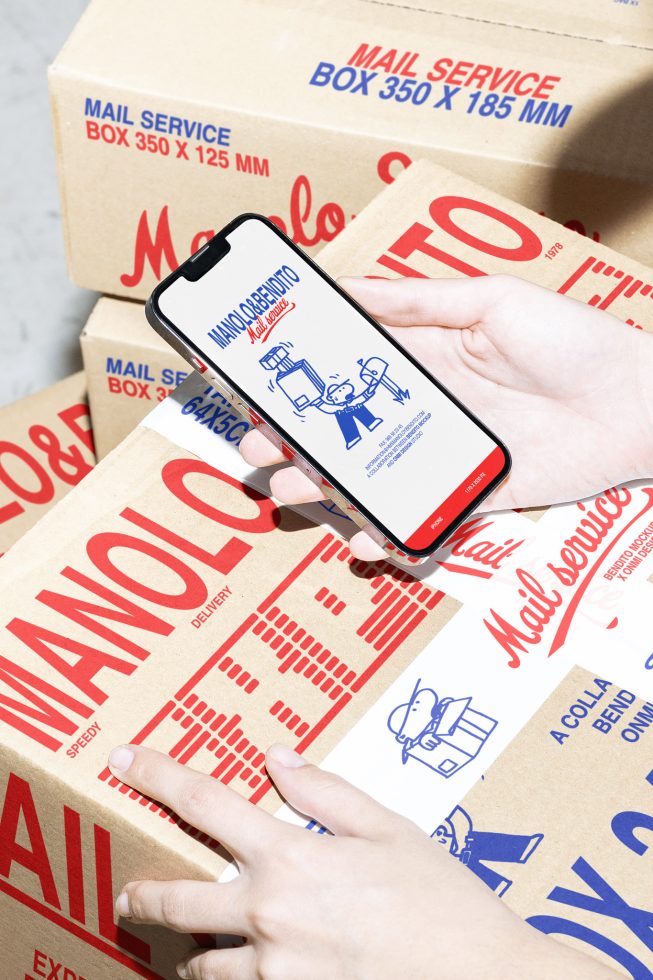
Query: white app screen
point(345, 394)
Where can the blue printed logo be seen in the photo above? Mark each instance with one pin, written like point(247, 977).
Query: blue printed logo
point(444, 734)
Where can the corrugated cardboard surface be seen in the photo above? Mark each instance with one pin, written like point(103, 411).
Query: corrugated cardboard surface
point(627, 22)
point(434, 223)
point(129, 368)
point(560, 825)
point(46, 447)
point(164, 602)
point(574, 143)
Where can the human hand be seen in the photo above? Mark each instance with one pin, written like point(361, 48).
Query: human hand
point(564, 385)
point(378, 900)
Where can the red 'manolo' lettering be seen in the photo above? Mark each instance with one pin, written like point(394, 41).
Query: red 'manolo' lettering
point(422, 241)
point(153, 250)
point(43, 711)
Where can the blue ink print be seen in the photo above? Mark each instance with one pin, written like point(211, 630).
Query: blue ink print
point(304, 388)
point(301, 385)
point(444, 734)
point(472, 847)
point(317, 828)
point(332, 508)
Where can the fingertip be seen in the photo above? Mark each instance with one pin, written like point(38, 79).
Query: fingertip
point(291, 486)
point(365, 549)
point(245, 447)
point(284, 756)
point(120, 759)
point(258, 450)
point(358, 284)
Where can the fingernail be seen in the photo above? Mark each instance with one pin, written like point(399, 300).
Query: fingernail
point(122, 904)
point(182, 971)
point(121, 758)
point(285, 756)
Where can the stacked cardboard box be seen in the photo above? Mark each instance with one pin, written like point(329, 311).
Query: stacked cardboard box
point(164, 601)
point(46, 447)
point(430, 222)
point(167, 599)
point(129, 369)
point(165, 129)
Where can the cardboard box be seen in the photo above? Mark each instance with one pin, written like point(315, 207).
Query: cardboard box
point(163, 601)
point(433, 223)
point(129, 368)
point(46, 447)
point(617, 21)
point(560, 825)
point(168, 125)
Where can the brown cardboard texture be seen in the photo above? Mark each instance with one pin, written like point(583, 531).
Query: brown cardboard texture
point(560, 825)
point(129, 368)
point(46, 447)
point(168, 125)
point(620, 22)
point(433, 223)
point(163, 602)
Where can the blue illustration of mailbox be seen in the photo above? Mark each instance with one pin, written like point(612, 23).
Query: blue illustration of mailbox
point(444, 734)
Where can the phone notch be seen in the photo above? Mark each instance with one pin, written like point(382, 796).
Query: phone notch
point(203, 260)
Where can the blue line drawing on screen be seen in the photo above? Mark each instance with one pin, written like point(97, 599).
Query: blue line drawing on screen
point(473, 847)
point(444, 734)
point(304, 388)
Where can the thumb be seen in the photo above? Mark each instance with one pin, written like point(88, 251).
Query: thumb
point(332, 801)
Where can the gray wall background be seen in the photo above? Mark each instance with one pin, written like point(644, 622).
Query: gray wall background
point(42, 313)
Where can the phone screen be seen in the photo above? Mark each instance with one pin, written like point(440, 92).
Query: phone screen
point(336, 386)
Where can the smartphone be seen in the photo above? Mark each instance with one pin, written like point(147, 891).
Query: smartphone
point(353, 409)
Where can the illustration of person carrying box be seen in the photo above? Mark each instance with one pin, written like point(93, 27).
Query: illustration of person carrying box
point(444, 734)
point(304, 388)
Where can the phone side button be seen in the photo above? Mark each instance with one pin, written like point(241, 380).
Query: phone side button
point(199, 366)
point(212, 378)
point(226, 393)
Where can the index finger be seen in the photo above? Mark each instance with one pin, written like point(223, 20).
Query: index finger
point(198, 799)
point(426, 302)
point(258, 449)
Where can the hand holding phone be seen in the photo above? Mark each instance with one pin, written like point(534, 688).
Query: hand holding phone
point(370, 426)
point(576, 427)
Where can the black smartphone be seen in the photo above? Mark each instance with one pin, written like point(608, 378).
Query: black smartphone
point(289, 348)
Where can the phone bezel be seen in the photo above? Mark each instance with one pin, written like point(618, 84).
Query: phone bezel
point(159, 320)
